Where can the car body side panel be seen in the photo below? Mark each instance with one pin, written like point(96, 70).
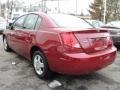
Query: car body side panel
point(50, 43)
point(26, 39)
point(12, 40)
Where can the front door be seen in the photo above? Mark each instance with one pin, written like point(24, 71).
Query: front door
point(13, 36)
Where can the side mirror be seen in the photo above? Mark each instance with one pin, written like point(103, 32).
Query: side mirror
point(10, 26)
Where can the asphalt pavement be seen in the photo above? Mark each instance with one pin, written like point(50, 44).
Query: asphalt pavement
point(16, 73)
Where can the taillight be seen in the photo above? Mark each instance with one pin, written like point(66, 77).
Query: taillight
point(118, 32)
point(110, 41)
point(70, 40)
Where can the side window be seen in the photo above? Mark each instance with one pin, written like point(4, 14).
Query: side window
point(38, 23)
point(30, 21)
point(19, 22)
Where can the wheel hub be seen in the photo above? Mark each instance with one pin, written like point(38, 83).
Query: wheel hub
point(38, 64)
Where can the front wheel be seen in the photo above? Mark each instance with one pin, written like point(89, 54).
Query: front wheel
point(5, 45)
point(40, 65)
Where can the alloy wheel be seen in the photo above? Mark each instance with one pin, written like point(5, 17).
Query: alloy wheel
point(38, 64)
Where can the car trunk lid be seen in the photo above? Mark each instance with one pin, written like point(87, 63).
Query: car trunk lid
point(93, 41)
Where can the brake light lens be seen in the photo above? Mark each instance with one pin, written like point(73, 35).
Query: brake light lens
point(70, 40)
point(118, 32)
point(110, 41)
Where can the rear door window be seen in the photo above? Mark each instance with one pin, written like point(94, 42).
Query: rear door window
point(30, 21)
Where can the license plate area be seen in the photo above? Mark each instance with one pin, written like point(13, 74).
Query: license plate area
point(98, 43)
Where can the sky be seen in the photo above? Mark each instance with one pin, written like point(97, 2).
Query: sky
point(68, 6)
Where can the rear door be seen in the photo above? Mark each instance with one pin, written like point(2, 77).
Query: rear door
point(27, 35)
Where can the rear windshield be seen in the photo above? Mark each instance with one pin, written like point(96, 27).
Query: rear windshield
point(69, 21)
point(95, 23)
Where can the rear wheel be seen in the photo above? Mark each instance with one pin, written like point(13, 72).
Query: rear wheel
point(40, 65)
point(5, 45)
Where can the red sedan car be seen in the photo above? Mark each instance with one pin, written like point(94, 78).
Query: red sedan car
point(59, 43)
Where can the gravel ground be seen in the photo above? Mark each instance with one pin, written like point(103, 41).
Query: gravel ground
point(21, 76)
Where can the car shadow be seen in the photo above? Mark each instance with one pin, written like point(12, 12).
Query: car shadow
point(82, 82)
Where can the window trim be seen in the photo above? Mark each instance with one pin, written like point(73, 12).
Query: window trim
point(39, 16)
point(39, 24)
point(18, 19)
point(26, 19)
point(35, 22)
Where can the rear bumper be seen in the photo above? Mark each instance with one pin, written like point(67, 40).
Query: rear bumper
point(81, 63)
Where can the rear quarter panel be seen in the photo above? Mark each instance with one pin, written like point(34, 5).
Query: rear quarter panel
point(50, 43)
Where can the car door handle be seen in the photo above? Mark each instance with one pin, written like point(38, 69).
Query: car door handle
point(29, 40)
point(30, 35)
point(19, 35)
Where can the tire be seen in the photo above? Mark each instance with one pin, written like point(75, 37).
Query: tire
point(5, 45)
point(40, 65)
